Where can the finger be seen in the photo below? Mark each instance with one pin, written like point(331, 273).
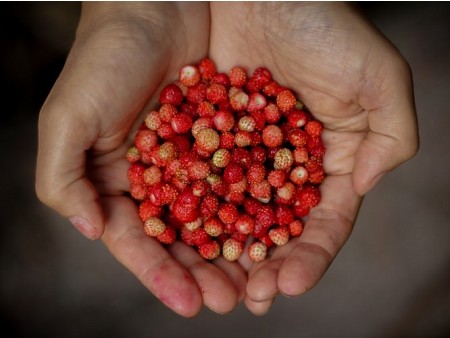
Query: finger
point(218, 291)
point(393, 137)
point(328, 227)
point(148, 260)
point(60, 174)
point(236, 273)
point(258, 308)
point(263, 281)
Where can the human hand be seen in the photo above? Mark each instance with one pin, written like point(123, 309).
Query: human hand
point(355, 82)
point(122, 55)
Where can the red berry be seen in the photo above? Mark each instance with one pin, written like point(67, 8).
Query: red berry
point(145, 140)
point(147, 209)
point(256, 101)
point(189, 75)
point(245, 224)
point(168, 236)
point(314, 128)
point(207, 68)
point(272, 136)
point(233, 173)
point(228, 213)
point(299, 175)
point(238, 76)
point(232, 249)
point(295, 228)
point(286, 100)
point(279, 235)
point(210, 250)
point(216, 93)
point(257, 251)
point(171, 94)
point(153, 226)
point(181, 123)
point(208, 140)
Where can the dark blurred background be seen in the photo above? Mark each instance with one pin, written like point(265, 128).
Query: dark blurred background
point(392, 279)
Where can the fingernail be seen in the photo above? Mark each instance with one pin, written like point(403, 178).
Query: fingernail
point(84, 227)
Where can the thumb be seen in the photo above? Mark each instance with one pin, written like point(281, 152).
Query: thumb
point(393, 136)
point(61, 181)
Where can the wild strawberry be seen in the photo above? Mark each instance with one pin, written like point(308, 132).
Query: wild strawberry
point(314, 128)
point(220, 189)
point(251, 206)
point(245, 224)
point(258, 154)
point(133, 155)
point(167, 111)
point(189, 108)
point(277, 178)
point(240, 186)
point(233, 173)
point(242, 139)
point(189, 75)
point(194, 225)
point(239, 100)
point(272, 89)
point(283, 159)
point(286, 192)
point(153, 226)
point(145, 140)
point(206, 109)
point(210, 250)
point(297, 118)
point(167, 151)
point(318, 151)
point(147, 209)
point(286, 100)
point(186, 236)
point(216, 93)
point(207, 68)
point(272, 113)
point(295, 228)
point(138, 191)
point(317, 176)
point(235, 197)
point(223, 120)
point(185, 213)
point(261, 191)
point(200, 188)
point(200, 237)
point(256, 101)
point(181, 123)
point(197, 93)
point(136, 173)
point(265, 239)
point(256, 173)
point(238, 76)
point(168, 236)
point(182, 142)
point(227, 140)
point(157, 195)
point(300, 155)
point(222, 79)
point(253, 86)
point(209, 206)
point(308, 196)
point(242, 157)
point(221, 158)
point(313, 164)
point(257, 251)
point(228, 213)
point(256, 139)
point(262, 75)
point(152, 175)
point(301, 210)
point(298, 138)
point(272, 136)
point(152, 120)
point(213, 226)
point(198, 170)
point(208, 139)
point(182, 87)
point(279, 235)
point(284, 214)
point(201, 123)
point(165, 131)
point(232, 249)
point(171, 94)
point(299, 175)
point(247, 123)
point(260, 119)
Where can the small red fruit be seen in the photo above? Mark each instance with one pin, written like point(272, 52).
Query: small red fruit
point(171, 94)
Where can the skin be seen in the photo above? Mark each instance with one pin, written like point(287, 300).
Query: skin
point(341, 67)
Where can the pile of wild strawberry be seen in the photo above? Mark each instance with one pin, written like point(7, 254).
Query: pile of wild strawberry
point(226, 158)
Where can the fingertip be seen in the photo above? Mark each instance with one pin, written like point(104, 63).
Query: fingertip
point(258, 308)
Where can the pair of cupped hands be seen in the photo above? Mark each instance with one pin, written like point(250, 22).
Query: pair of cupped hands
point(348, 75)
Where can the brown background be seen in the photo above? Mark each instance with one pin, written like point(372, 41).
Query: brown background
point(392, 279)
